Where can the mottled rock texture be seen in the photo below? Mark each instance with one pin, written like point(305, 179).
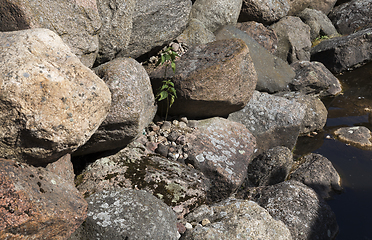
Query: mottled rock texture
point(358, 136)
point(196, 33)
point(267, 11)
point(50, 102)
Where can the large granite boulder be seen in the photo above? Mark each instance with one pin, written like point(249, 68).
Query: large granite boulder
point(293, 39)
point(216, 13)
point(39, 204)
point(132, 108)
point(235, 219)
point(196, 33)
point(274, 121)
point(273, 73)
point(205, 85)
point(76, 22)
point(127, 214)
point(344, 53)
point(222, 150)
point(267, 11)
point(156, 23)
point(50, 102)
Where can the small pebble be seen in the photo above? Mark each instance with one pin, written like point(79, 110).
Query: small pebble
point(166, 126)
point(188, 226)
point(205, 221)
point(184, 119)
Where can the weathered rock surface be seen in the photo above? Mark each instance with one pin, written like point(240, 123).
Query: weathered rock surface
point(296, 6)
point(352, 16)
point(235, 219)
point(319, 23)
point(114, 35)
point(222, 150)
point(76, 22)
point(306, 215)
point(274, 121)
point(318, 173)
point(38, 204)
point(127, 214)
point(324, 6)
point(132, 108)
point(344, 53)
point(293, 39)
point(315, 79)
point(205, 85)
point(267, 11)
point(264, 36)
point(358, 136)
point(273, 73)
point(177, 185)
point(50, 102)
point(155, 23)
point(196, 33)
point(216, 13)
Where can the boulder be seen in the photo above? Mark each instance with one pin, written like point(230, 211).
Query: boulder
point(37, 203)
point(114, 36)
point(319, 23)
point(76, 22)
point(296, 6)
point(318, 173)
point(205, 85)
point(132, 108)
point(174, 183)
point(235, 219)
point(352, 16)
point(50, 102)
point(344, 53)
point(273, 73)
point(293, 39)
point(266, 12)
point(196, 33)
point(156, 23)
point(264, 36)
point(313, 78)
point(325, 6)
point(216, 13)
point(127, 214)
point(222, 150)
point(274, 121)
point(358, 136)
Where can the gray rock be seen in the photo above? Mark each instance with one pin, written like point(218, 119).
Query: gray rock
point(267, 11)
point(235, 219)
point(318, 173)
point(222, 150)
point(358, 136)
point(344, 53)
point(205, 85)
point(315, 79)
point(51, 103)
point(156, 23)
point(132, 108)
point(127, 214)
point(196, 33)
point(293, 39)
point(216, 13)
point(296, 6)
point(325, 6)
point(273, 73)
point(319, 23)
point(274, 121)
point(352, 16)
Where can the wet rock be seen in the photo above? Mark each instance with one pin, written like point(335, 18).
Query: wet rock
point(76, 22)
point(235, 219)
point(38, 204)
point(51, 103)
point(315, 79)
point(205, 85)
point(274, 121)
point(196, 33)
point(127, 214)
point(267, 11)
point(132, 108)
point(344, 53)
point(273, 73)
point(358, 136)
point(318, 173)
point(293, 39)
point(222, 150)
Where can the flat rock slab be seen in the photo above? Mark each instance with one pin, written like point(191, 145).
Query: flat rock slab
point(359, 136)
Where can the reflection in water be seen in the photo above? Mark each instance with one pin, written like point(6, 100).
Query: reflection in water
point(352, 108)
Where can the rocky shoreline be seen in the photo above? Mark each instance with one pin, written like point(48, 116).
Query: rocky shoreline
point(78, 94)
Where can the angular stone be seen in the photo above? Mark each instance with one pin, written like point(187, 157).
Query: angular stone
point(273, 73)
point(358, 136)
point(267, 11)
point(296, 6)
point(325, 6)
point(196, 33)
point(37, 204)
point(50, 102)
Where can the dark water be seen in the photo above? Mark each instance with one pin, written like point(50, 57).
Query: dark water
point(353, 207)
